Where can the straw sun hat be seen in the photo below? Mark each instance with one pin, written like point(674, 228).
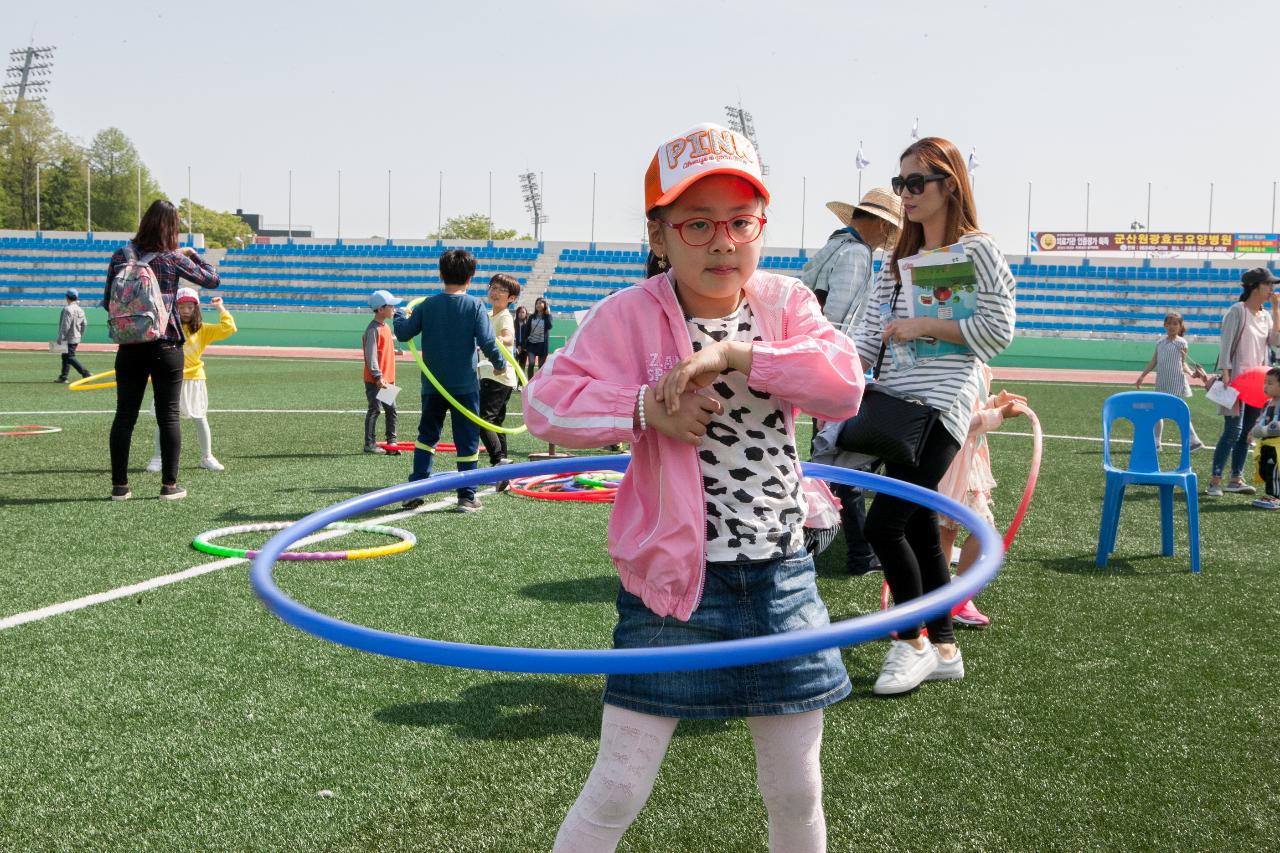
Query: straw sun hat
point(877, 202)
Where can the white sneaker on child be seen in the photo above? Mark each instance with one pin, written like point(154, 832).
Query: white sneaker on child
point(153, 467)
point(211, 464)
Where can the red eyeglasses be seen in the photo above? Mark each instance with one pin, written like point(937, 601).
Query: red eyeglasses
point(700, 231)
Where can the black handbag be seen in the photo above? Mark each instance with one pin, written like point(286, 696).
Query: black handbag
point(890, 425)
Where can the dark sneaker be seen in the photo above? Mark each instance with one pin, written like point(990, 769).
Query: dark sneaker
point(373, 448)
point(172, 493)
point(120, 493)
point(502, 485)
point(61, 380)
point(467, 505)
point(858, 569)
point(393, 452)
point(412, 503)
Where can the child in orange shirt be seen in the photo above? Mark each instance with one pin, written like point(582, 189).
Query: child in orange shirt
point(379, 370)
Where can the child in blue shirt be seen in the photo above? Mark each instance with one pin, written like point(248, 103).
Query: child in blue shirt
point(452, 324)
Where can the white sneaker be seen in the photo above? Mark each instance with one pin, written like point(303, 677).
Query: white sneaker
point(949, 669)
point(211, 464)
point(904, 668)
point(153, 467)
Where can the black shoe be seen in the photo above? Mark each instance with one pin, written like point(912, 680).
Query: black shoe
point(863, 568)
point(393, 452)
point(120, 493)
point(373, 448)
point(172, 493)
point(61, 380)
point(412, 503)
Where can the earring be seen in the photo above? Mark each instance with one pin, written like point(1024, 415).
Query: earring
point(663, 266)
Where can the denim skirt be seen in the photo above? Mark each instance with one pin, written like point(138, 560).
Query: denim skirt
point(739, 600)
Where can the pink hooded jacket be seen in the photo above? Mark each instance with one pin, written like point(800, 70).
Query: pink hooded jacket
point(585, 397)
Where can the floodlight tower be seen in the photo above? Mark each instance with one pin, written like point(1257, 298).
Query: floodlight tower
point(740, 121)
point(533, 202)
point(27, 75)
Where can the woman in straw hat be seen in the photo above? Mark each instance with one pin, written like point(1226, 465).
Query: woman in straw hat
point(840, 276)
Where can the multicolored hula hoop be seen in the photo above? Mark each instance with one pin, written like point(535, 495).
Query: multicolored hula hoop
point(587, 486)
point(28, 429)
point(407, 541)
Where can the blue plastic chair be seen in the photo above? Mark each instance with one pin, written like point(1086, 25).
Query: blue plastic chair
point(1145, 409)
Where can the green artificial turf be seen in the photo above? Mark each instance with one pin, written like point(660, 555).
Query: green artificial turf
point(1126, 708)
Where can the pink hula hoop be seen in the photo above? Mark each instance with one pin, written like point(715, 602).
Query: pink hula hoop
point(1033, 477)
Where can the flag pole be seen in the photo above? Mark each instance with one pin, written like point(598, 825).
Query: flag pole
point(1028, 217)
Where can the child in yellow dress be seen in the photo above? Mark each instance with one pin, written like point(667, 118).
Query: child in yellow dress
point(194, 401)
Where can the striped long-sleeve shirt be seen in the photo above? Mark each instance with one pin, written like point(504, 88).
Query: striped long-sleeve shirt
point(950, 383)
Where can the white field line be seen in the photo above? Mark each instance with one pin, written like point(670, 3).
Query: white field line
point(195, 571)
point(1093, 438)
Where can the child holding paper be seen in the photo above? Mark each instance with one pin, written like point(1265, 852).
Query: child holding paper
point(379, 370)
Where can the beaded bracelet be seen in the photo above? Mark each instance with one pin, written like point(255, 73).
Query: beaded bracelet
point(640, 407)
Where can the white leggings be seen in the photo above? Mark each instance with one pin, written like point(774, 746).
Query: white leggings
point(202, 434)
point(632, 746)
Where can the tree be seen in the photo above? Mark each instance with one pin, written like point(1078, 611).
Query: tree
point(27, 141)
point(473, 226)
point(116, 170)
point(220, 229)
point(62, 187)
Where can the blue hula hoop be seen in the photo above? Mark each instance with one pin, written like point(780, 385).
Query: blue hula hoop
point(618, 661)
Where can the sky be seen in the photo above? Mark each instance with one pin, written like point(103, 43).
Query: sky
point(1112, 95)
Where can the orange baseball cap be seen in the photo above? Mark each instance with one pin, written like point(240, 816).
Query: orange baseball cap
point(705, 149)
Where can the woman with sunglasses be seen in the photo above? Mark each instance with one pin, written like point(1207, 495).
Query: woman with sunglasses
point(938, 206)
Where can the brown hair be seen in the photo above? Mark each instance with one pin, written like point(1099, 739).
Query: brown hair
point(1182, 326)
point(940, 157)
point(1274, 373)
point(159, 229)
point(507, 283)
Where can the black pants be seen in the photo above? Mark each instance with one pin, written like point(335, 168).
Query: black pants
point(1269, 469)
point(371, 417)
point(493, 408)
point(161, 362)
point(69, 361)
point(853, 519)
point(905, 535)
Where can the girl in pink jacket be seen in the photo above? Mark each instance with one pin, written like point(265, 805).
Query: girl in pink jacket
point(703, 369)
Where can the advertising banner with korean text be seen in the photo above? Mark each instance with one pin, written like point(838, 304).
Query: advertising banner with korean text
point(1153, 241)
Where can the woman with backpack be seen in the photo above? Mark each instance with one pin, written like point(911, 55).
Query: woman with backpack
point(150, 338)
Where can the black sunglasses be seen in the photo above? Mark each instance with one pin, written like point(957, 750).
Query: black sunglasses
point(914, 183)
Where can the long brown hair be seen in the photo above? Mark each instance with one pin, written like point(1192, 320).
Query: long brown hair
point(940, 157)
point(159, 229)
point(197, 320)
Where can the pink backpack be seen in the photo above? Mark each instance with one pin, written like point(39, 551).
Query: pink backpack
point(136, 310)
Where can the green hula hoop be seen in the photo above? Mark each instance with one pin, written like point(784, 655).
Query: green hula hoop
point(435, 383)
point(601, 483)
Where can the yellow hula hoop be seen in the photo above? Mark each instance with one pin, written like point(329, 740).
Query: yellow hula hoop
point(470, 415)
point(86, 383)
